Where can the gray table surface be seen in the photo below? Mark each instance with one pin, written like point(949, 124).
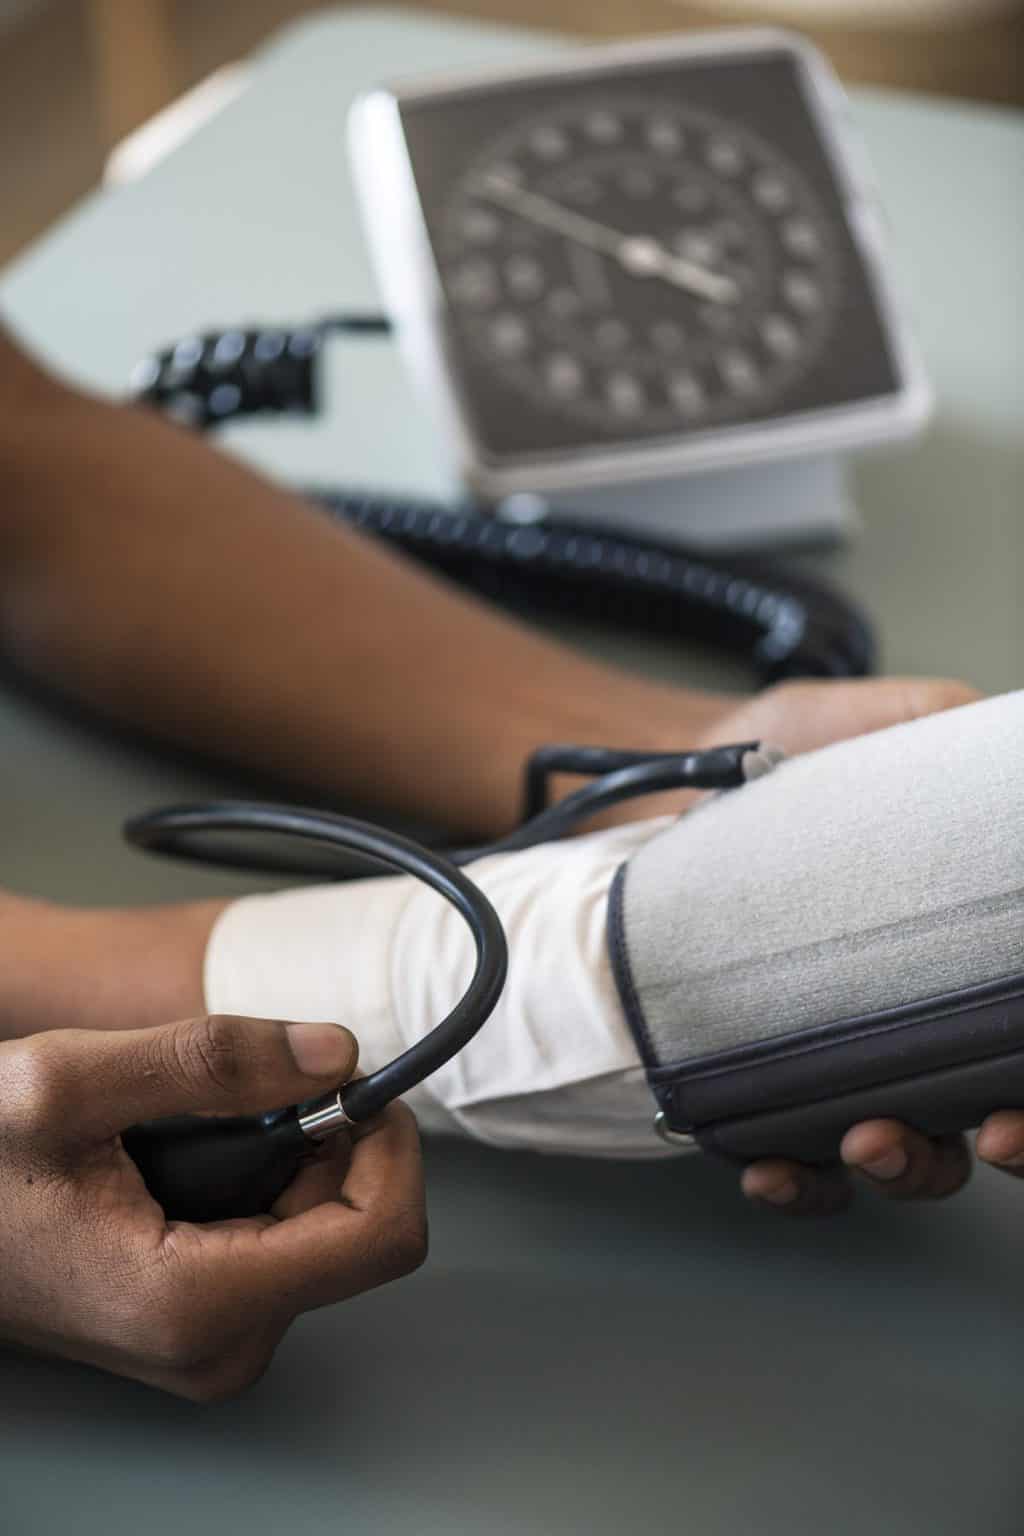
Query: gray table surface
point(591, 1348)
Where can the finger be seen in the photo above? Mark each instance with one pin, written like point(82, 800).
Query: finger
point(318, 1181)
point(86, 1084)
point(902, 1164)
point(1001, 1142)
point(385, 1148)
point(796, 1189)
point(373, 1231)
point(801, 717)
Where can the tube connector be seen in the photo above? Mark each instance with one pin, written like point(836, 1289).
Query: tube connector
point(760, 761)
point(323, 1117)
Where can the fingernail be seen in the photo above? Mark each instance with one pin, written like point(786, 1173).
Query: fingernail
point(320, 1050)
point(1015, 1160)
point(888, 1167)
point(781, 1194)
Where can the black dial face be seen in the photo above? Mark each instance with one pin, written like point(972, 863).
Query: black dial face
point(635, 264)
point(644, 254)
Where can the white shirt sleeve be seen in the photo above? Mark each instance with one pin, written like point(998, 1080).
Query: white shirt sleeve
point(555, 1067)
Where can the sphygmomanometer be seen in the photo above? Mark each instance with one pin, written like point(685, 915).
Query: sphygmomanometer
point(826, 939)
point(660, 268)
point(648, 281)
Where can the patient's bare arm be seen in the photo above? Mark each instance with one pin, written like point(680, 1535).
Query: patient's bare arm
point(169, 588)
point(100, 968)
point(161, 583)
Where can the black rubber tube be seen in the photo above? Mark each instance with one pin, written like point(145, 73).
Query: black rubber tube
point(173, 831)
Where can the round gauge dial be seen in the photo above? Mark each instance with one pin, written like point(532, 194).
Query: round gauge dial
point(635, 264)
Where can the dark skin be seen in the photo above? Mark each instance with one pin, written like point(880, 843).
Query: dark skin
point(168, 589)
point(194, 1310)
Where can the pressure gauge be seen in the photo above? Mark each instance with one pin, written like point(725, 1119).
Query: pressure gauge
point(628, 264)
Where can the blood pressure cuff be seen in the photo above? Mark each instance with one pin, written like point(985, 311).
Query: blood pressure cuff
point(840, 940)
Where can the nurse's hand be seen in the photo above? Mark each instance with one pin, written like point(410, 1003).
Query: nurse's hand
point(892, 1160)
point(91, 1268)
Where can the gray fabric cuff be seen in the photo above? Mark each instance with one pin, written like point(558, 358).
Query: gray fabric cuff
point(848, 885)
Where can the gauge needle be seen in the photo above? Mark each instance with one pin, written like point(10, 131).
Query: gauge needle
point(639, 255)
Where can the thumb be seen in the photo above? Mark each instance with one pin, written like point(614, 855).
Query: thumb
point(104, 1082)
point(800, 717)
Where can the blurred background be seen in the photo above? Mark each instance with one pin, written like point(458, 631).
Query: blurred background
point(77, 75)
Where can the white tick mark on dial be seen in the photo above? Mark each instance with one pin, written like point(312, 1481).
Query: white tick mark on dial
point(625, 394)
point(664, 135)
point(771, 191)
point(509, 335)
point(802, 292)
point(801, 237)
point(603, 127)
point(564, 375)
point(780, 335)
point(549, 142)
point(725, 157)
point(686, 392)
point(739, 372)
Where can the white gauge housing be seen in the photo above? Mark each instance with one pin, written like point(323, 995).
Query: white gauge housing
point(414, 293)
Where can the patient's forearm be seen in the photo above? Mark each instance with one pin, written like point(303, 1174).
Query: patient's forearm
point(100, 969)
point(169, 588)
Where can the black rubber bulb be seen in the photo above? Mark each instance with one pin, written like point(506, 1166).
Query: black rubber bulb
point(209, 1169)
